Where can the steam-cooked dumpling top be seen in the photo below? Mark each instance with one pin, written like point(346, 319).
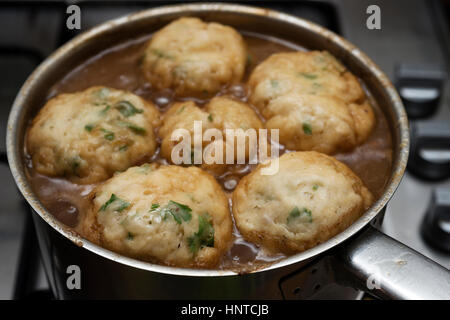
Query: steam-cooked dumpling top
point(194, 57)
point(220, 113)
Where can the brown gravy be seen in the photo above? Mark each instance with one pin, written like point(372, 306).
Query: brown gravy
point(118, 67)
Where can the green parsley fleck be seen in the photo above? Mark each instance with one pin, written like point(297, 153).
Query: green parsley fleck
point(315, 187)
point(154, 207)
point(75, 164)
point(145, 168)
point(161, 54)
point(181, 109)
point(274, 83)
point(136, 129)
point(123, 148)
point(105, 110)
point(210, 118)
point(107, 203)
point(178, 211)
point(307, 129)
point(109, 135)
point(141, 59)
point(102, 93)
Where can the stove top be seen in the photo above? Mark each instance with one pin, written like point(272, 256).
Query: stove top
point(412, 33)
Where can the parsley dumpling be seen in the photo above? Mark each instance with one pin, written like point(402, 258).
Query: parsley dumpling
point(311, 198)
point(315, 102)
point(172, 215)
point(306, 72)
point(87, 136)
point(318, 123)
point(220, 113)
point(194, 57)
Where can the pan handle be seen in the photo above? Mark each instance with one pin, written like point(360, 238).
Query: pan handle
point(385, 268)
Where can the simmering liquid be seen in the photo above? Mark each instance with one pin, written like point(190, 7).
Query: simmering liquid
point(118, 67)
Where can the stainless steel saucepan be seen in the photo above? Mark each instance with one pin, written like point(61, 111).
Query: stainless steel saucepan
point(360, 258)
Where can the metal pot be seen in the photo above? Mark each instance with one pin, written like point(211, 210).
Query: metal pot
point(360, 258)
